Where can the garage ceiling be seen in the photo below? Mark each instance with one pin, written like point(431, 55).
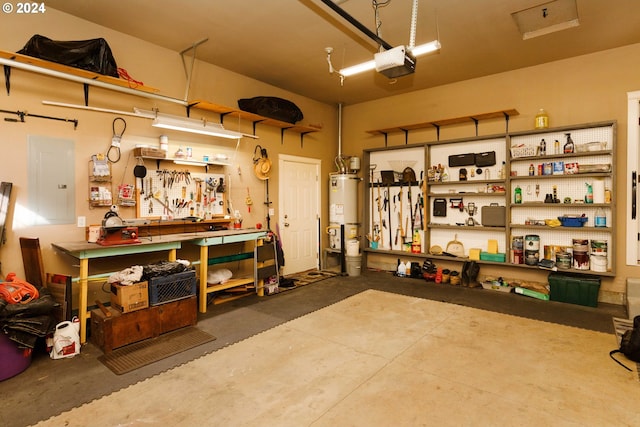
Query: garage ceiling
point(282, 42)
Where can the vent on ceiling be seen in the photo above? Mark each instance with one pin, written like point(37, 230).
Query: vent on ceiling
point(547, 18)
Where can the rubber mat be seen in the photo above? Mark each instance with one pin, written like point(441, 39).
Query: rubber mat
point(310, 276)
point(134, 356)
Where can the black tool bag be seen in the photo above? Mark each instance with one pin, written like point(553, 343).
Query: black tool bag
point(439, 207)
point(630, 344)
point(91, 55)
point(467, 159)
point(272, 107)
point(485, 159)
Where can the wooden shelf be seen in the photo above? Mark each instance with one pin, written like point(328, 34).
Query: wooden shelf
point(233, 283)
point(502, 114)
point(251, 117)
point(54, 66)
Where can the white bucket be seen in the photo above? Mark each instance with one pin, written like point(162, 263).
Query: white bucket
point(353, 248)
point(354, 265)
point(598, 263)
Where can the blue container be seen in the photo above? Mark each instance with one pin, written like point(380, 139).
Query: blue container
point(573, 221)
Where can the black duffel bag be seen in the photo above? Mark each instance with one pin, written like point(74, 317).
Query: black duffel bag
point(91, 55)
point(272, 107)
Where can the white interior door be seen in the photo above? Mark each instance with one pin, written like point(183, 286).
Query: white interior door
point(299, 212)
point(633, 176)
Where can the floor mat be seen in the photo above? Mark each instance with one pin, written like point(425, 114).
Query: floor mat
point(310, 276)
point(134, 356)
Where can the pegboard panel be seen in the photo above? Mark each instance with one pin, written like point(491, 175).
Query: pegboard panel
point(469, 238)
point(575, 188)
point(580, 138)
point(395, 212)
point(520, 214)
point(439, 155)
point(397, 161)
point(175, 193)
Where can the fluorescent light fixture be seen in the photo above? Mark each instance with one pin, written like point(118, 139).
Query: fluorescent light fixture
point(357, 69)
point(422, 49)
point(190, 162)
point(202, 127)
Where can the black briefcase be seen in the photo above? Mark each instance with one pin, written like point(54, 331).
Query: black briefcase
point(485, 159)
point(462, 159)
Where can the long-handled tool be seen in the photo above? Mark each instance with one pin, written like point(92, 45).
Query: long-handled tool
point(372, 167)
point(402, 230)
point(380, 215)
point(410, 203)
point(387, 203)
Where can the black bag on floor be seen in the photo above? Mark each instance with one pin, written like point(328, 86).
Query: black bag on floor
point(91, 55)
point(630, 344)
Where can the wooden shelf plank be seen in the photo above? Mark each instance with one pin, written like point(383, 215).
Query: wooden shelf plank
point(54, 66)
point(229, 284)
point(254, 118)
point(447, 122)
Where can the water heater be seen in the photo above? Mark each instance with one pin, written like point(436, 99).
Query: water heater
point(343, 207)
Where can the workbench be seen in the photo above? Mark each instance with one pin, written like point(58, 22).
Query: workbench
point(84, 251)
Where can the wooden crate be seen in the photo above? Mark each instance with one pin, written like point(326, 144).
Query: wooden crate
point(121, 329)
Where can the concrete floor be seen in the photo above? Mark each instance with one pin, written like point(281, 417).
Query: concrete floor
point(52, 387)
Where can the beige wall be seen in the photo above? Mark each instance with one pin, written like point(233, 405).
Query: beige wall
point(159, 68)
point(586, 89)
point(573, 91)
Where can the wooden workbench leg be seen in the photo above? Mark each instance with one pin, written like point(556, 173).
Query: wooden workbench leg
point(204, 267)
point(83, 314)
point(259, 282)
point(172, 254)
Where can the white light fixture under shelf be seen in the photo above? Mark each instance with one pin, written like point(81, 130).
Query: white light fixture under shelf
point(202, 127)
point(422, 49)
point(190, 162)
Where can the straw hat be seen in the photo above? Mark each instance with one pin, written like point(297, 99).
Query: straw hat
point(262, 168)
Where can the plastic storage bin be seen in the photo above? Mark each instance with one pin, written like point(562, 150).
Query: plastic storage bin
point(173, 287)
point(581, 290)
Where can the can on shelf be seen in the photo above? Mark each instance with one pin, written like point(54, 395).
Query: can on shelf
point(581, 254)
point(563, 260)
point(532, 242)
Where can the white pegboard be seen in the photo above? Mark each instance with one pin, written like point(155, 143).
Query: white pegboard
point(389, 228)
point(397, 160)
point(520, 214)
point(175, 193)
point(579, 137)
point(469, 237)
point(439, 155)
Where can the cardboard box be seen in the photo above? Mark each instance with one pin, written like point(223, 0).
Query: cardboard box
point(128, 298)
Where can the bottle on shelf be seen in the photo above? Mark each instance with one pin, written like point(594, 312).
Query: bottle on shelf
point(532, 170)
point(543, 147)
point(600, 218)
point(502, 174)
point(556, 147)
point(569, 147)
point(517, 197)
point(542, 119)
point(588, 198)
